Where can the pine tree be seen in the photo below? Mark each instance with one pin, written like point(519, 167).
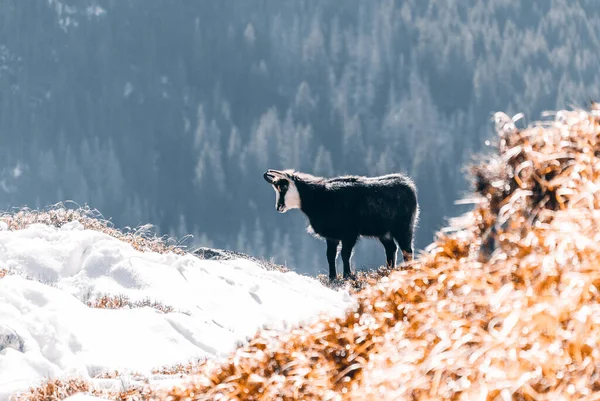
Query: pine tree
point(323, 164)
point(241, 244)
point(48, 170)
point(258, 240)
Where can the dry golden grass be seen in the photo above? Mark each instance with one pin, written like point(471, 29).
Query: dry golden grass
point(182, 369)
point(123, 301)
point(362, 279)
point(54, 390)
point(141, 239)
point(504, 305)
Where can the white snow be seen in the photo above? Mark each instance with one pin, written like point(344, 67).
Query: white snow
point(48, 331)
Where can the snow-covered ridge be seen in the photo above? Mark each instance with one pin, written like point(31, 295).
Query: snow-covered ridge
point(48, 331)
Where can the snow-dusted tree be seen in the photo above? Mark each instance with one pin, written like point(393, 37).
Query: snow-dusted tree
point(264, 138)
point(115, 183)
point(258, 240)
point(249, 35)
point(48, 169)
point(313, 48)
point(323, 163)
point(241, 242)
point(305, 101)
point(353, 146)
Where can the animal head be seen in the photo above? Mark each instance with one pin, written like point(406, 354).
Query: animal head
point(287, 196)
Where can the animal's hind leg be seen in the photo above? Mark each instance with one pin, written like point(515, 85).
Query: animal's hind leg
point(405, 240)
point(390, 250)
point(347, 245)
point(332, 245)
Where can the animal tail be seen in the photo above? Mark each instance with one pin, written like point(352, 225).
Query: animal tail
point(415, 212)
point(415, 218)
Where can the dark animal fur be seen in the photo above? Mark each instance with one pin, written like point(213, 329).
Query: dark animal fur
point(343, 208)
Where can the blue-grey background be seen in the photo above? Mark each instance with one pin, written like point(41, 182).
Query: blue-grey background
point(168, 112)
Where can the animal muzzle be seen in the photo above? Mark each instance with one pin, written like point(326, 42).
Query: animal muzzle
point(280, 208)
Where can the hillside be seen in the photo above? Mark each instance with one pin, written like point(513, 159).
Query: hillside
point(504, 305)
point(85, 303)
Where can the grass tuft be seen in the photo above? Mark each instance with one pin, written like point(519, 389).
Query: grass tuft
point(142, 238)
point(182, 369)
point(54, 390)
point(57, 390)
point(123, 301)
point(361, 279)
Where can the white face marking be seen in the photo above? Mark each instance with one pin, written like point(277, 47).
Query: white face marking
point(291, 197)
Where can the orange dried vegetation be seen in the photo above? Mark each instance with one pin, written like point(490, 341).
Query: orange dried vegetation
point(503, 305)
point(182, 369)
point(55, 390)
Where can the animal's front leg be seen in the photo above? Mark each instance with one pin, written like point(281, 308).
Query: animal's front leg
point(347, 246)
point(332, 246)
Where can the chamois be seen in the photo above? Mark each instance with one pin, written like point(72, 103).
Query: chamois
point(342, 209)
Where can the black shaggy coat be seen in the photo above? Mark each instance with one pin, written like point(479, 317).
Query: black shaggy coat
point(344, 208)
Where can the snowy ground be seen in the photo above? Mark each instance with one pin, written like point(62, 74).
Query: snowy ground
point(48, 331)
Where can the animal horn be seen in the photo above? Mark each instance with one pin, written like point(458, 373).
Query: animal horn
point(269, 176)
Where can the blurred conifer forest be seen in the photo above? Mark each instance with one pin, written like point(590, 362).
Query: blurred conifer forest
point(168, 112)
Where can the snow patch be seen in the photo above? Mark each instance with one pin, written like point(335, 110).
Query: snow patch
point(48, 331)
